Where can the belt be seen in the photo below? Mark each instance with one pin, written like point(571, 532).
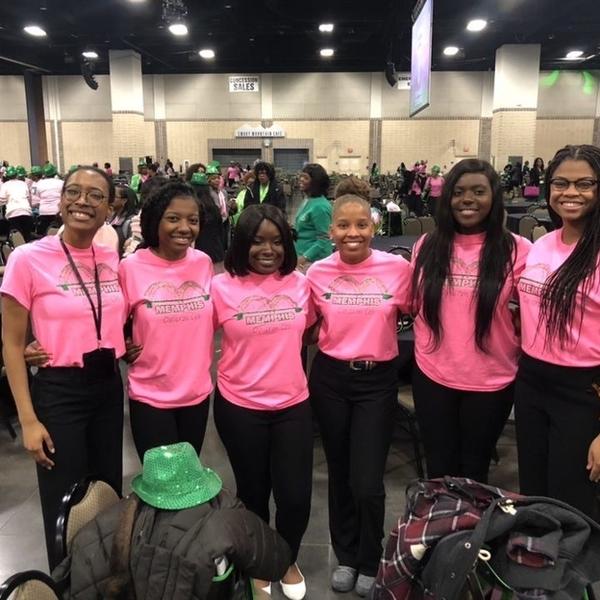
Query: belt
point(362, 365)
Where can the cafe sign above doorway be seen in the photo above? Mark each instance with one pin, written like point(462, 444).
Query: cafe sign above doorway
point(248, 131)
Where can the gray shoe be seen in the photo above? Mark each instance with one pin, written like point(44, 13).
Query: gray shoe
point(364, 583)
point(343, 578)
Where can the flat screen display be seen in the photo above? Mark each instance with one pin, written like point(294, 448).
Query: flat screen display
point(420, 64)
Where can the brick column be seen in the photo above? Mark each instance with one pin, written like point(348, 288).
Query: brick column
point(515, 102)
point(127, 103)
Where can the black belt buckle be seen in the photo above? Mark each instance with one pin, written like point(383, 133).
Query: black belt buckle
point(362, 365)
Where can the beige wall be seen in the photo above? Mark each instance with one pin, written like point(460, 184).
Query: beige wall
point(87, 142)
point(14, 143)
point(513, 134)
point(12, 98)
point(441, 142)
point(553, 134)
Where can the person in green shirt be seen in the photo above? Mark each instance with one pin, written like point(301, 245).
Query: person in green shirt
point(314, 217)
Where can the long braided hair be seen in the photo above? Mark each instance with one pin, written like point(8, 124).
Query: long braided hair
point(559, 295)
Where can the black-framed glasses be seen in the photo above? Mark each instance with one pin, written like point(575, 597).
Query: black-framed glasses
point(581, 185)
point(93, 197)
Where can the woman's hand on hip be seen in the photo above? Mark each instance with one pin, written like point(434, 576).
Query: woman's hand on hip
point(132, 351)
point(35, 435)
point(593, 463)
point(35, 355)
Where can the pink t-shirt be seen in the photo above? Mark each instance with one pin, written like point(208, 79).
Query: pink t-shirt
point(457, 362)
point(359, 304)
point(582, 348)
point(173, 321)
point(435, 184)
point(263, 319)
point(45, 193)
point(38, 276)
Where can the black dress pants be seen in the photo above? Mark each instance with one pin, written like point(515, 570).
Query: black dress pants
point(271, 450)
point(85, 421)
point(355, 411)
point(557, 415)
point(24, 224)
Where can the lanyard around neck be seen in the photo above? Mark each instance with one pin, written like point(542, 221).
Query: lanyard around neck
point(97, 314)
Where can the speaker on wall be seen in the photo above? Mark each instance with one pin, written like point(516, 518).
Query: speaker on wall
point(390, 74)
point(87, 71)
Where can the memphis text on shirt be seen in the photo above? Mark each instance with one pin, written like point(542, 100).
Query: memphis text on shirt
point(166, 298)
point(258, 310)
point(349, 291)
point(531, 280)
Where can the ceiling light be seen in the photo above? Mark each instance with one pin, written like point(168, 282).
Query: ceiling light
point(326, 27)
point(327, 52)
point(476, 24)
point(34, 30)
point(450, 50)
point(178, 29)
point(207, 53)
point(89, 54)
point(574, 54)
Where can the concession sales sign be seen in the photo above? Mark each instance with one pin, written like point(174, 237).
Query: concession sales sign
point(243, 84)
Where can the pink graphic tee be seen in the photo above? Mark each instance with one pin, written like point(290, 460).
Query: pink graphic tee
point(457, 362)
point(359, 304)
point(173, 321)
point(582, 349)
point(263, 319)
point(436, 185)
point(38, 276)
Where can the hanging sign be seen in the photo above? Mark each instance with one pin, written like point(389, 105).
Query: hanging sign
point(246, 131)
point(244, 83)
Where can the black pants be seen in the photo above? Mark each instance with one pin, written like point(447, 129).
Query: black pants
point(459, 428)
point(557, 413)
point(271, 450)
point(85, 421)
point(24, 224)
point(355, 411)
point(151, 426)
point(44, 222)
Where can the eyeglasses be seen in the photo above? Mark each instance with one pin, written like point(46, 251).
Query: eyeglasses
point(581, 185)
point(93, 197)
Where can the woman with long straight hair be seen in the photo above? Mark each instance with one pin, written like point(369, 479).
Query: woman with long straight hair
point(465, 273)
point(557, 403)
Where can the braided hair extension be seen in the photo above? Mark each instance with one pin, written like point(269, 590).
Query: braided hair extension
point(559, 295)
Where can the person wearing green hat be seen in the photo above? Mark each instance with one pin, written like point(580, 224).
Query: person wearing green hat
point(211, 239)
point(45, 194)
point(433, 189)
point(16, 197)
point(36, 173)
point(178, 535)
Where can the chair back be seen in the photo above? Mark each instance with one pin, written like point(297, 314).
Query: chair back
point(537, 232)
point(29, 585)
point(403, 251)
point(52, 230)
point(427, 224)
point(541, 213)
point(412, 226)
point(84, 501)
point(526, 225)
point(16, 238)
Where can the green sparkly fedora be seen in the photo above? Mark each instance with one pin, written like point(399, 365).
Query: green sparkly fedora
point(173, 478)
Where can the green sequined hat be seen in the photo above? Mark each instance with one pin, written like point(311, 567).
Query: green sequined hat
point(212, 170)
point(173, 478)
point(199, 179)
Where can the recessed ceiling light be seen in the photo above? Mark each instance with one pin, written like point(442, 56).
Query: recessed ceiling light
point(327, 52)
point(178, 29)
point(476, 24)
point(450, 50)
point(34, 30)
point(326, 27)
point(89, 54)
point(207, 53)
point(574, 54)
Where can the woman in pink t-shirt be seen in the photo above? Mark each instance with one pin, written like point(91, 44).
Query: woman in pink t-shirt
point(354, 383)
point(67, 287)
point(465, 274)
point(166, 283)
point(261, 403)
point(433, 187)
point(557, 393)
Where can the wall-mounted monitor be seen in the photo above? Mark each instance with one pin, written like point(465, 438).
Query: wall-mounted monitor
point(420, 63)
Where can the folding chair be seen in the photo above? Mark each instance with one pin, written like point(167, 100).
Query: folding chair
point(412, 226)
point(427, 224)
point(16, 238)
point(29, 585)
point(537, 232)
point(526, 225)
point(84, 501)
